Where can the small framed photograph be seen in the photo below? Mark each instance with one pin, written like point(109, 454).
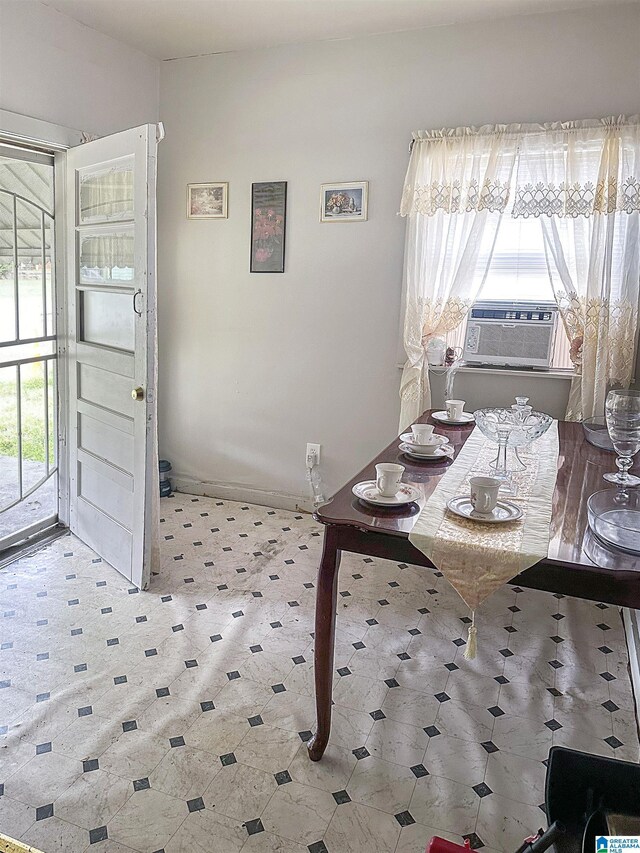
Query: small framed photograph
point(344, 202)
point(207, 201)
point(268, 226)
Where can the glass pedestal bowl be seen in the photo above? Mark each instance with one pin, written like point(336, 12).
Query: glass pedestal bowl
point(510, 431)
point(614, 517)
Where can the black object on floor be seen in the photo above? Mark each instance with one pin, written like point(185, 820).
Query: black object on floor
point(164, 466)
point(588, 793)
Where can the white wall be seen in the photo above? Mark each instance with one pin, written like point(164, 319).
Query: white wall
point(254, 366)
point(55, 69)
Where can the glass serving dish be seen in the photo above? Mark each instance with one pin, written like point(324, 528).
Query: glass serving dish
point(596, 433)
point(511, 429)
point(614, 517)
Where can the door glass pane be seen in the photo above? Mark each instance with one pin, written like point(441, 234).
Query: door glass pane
point(29, 225)
point(52, 402)
point(107, 319)
point(18, 352)
point(9, 483)
point(49, 267)
point(7, 300)
point(39, 505)
point(33, 181)
point(32, 414)
point(107, 194)
point(7, 284)
point(106, 258)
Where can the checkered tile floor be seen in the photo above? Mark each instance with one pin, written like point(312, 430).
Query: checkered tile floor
point(175, 720)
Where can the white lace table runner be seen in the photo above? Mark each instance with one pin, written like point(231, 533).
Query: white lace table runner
point(475, 557)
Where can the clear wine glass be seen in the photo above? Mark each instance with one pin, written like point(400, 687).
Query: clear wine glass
point(622, 410)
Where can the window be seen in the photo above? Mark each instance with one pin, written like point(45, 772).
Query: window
point(519, 272)
point(518, 268)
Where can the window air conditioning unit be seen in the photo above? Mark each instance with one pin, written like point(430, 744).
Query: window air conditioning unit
point(511, 334)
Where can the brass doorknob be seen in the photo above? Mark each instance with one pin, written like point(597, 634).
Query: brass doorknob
point(137, 394)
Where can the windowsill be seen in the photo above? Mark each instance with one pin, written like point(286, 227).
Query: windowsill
point(556, 373)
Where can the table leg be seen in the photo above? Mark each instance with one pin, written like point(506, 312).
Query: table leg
point(324, 640)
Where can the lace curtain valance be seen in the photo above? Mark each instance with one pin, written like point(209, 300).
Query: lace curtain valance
point(595, 170)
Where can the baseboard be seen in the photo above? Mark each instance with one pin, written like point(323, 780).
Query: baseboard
point(244, 494)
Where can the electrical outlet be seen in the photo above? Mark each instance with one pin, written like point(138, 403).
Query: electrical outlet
point(313, 452)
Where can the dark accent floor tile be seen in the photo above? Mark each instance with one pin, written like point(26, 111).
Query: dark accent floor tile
point(43, 812)
point(341, 797)
point(195, 805)
point(283, 777)
point(475, 842)
point(98, 834)
point(254, 826)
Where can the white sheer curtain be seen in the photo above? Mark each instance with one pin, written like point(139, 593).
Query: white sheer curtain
point(582, 180)
point(456, 190)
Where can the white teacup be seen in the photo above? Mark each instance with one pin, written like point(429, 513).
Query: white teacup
point(484, 493)
point(422, 433)
point(388, 477)
point(454, 408)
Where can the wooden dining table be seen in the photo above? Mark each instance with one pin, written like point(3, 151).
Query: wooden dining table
point(577, 563)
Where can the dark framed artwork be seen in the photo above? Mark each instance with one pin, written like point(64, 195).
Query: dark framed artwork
point(268, 226)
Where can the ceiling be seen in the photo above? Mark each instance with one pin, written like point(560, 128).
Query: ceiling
point(170, 29)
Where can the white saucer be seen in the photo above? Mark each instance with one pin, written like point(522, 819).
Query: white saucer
point(443, 418)
point(444, 451)
point(368, 493)
point(407, 438)
point(504, 511)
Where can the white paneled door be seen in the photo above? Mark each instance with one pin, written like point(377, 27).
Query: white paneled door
point(111, 281)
